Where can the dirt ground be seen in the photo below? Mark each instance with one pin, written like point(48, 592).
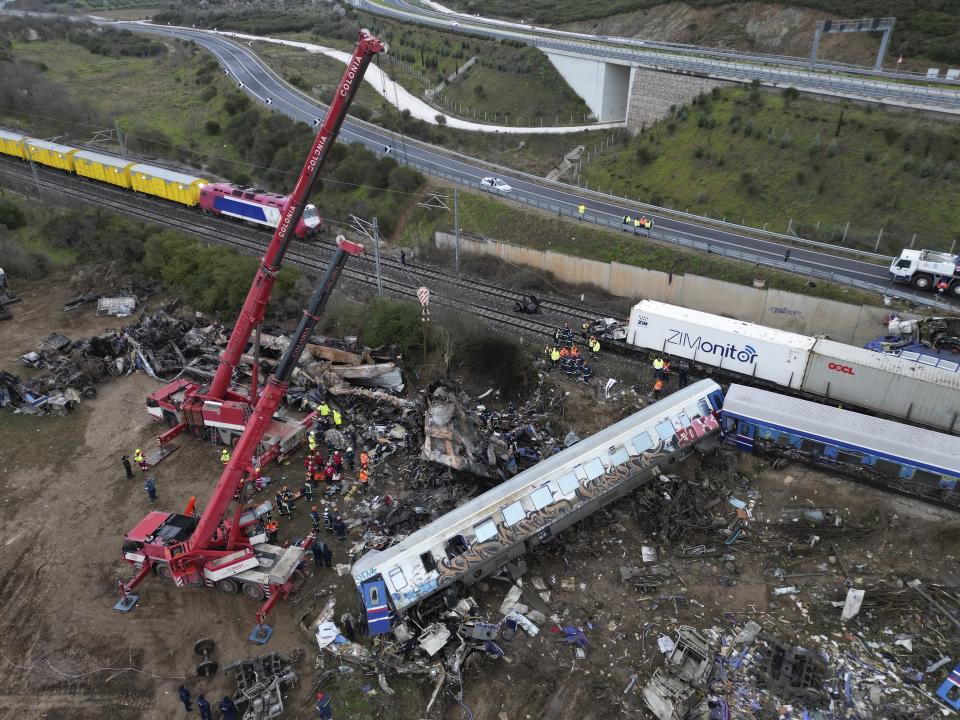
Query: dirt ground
point(65, 505)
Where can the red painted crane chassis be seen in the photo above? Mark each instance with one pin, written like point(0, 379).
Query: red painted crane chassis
point(229, 550)
point(218, 412)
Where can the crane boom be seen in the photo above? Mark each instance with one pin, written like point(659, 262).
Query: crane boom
point(266, 406)
point(254, 306)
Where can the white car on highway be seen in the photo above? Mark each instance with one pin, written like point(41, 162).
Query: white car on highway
point(495, 184)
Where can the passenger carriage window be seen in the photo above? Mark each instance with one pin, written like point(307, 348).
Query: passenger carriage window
point(485, 530)
point(849, 458)
point(641, 443)
point(684, 419)
point(397, 579)
point(813, 447)
point(665, 430)
point(618, 456)
point(704, 406)
point(456, 546)
point(783, 440)
point(374, 596)
point(568, 484)
point(594, 468)
point(890, 469)
point(513, 513)
point(927, 478)
point(541, 497)
point(429, 564)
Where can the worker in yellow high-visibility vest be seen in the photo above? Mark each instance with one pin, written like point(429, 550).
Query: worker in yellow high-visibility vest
point(582, 209)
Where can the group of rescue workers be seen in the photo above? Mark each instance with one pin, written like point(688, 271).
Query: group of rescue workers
point(566, 356)
point(662, 374)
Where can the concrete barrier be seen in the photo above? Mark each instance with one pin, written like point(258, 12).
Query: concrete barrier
point(844, 322)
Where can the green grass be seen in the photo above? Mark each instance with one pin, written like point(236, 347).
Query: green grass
point(763, 158)
point(159, 94)
point(482, 215)
point(317, 75)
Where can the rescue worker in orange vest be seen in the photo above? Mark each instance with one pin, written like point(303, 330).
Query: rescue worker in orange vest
point(364, 478)
point(364, 460)
point(574, 352)
point(657, 387)
point(942, 286)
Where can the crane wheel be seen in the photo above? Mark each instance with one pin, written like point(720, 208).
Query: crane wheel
point(163, 570)
point(208, 668)
point(253, 591)
point(954, 290)
point(228, 585)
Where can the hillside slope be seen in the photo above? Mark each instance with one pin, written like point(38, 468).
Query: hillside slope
point(925, 28)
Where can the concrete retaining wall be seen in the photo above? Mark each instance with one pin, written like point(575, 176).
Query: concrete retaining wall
point(854, 324)
point(652, 93)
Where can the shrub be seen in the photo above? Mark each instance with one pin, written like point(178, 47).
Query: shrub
point(22, 263)
point(441, 119)
point(771, 137)
point(800, 177)
point(948, 170)
point(644, 155)
point(815, 145)
point(394, 322)
point(748, 129)
point(212, 127)
point(404, 179)
point(698, 152)
point(926, 168)
point(786, 139)
point(11, 215)
point(868, 155)
point(832, 148)
point(908, 163)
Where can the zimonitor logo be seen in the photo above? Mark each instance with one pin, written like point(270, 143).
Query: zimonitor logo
point(747, 354)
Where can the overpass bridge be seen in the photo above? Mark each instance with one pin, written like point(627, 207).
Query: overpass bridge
point(624, 79)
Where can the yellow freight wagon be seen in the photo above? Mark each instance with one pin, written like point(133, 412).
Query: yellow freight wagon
point(167, 184)
point(12, 143)
point(52, 154)
point(104, 168)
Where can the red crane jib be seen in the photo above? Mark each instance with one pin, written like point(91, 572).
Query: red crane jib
point(256, 301)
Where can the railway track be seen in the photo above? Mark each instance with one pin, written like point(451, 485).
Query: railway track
point(398, 279)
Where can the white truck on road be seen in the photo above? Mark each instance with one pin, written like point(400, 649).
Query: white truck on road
point(927, 269)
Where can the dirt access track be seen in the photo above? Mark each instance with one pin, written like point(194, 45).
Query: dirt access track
point(65, 504)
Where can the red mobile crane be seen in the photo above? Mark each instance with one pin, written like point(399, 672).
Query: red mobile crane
point(216, 411)
point(229, 551)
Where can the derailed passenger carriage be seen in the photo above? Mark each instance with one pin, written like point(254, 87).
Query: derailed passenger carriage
point(892, 456)
point(483, 535)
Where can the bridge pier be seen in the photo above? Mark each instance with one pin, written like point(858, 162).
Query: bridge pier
point(604, 86)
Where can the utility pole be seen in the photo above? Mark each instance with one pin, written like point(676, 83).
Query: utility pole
point(376, 255)
point(123, 148)
point(33, 169)
point(456, 228)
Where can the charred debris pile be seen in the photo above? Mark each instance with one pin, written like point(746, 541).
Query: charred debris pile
point(167, 344)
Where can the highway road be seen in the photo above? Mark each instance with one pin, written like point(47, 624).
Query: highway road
point(265, 85)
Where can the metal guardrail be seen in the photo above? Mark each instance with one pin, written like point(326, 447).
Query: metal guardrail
point(737, 72)
point(616, 225)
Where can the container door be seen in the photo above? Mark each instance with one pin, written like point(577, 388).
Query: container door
point(375, 601)
point(746, 432)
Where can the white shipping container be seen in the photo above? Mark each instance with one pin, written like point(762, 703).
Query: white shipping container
point(752, 350)
point(885, 383)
